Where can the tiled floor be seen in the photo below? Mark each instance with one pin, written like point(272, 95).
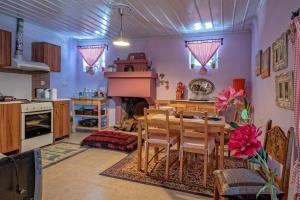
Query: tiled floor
point(78, 178)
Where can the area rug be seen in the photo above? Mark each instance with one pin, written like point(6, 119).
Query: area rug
point(58, 152)
point(193, 173)
point(113, 140)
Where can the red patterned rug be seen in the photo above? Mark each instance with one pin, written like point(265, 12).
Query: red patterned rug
point(114, 140)
point(193, 173)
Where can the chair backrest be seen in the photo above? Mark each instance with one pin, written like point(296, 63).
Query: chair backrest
point(279, 146)
point(190, 130)
point(159, 124)
point(158, 103)
point(178, 107)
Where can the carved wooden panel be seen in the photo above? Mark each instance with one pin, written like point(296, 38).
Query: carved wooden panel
point(276, 144)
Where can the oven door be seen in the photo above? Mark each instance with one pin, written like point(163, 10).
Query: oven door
point(36, 124)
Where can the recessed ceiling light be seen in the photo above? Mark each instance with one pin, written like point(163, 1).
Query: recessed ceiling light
point(197, 26)
point(208, 25)
point(97, 32)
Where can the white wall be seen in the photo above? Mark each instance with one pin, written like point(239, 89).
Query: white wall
point(17, 85)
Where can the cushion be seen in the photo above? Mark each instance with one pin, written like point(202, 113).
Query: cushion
point(158, 138)
point(198, 143)
point(114, 140)
point(240, 182)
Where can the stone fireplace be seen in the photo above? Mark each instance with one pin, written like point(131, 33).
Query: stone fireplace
point(135, 89)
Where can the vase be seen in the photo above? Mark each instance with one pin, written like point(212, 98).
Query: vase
point(230, 113)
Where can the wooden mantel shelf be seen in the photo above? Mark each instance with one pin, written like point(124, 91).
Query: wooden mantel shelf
point(136, 61)
point(139, 74)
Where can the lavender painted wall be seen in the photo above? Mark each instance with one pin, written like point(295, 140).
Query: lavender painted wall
point(272, 20)
point(169, 56)
point(65, 80)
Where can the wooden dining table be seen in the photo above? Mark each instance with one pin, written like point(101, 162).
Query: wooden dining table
point(213, 128)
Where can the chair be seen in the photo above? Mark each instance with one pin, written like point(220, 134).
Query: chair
point(245, 183)
point(161, 103)
point(158, 135)
point(178, 107)
point(195, 139)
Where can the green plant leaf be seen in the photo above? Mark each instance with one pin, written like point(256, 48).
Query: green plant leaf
point(245, 114)
point(254, 160)
point(261, 190)
point(234, 125)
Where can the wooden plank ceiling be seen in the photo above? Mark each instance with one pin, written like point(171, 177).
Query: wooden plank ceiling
point(93, 19)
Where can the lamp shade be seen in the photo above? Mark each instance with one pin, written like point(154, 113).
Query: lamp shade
point(238, 84)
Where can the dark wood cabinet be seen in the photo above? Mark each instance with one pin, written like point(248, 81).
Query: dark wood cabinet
point(5, 48)
point(10, 127)
point(61, 119)
point(47, 53)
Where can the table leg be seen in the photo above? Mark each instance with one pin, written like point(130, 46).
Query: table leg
point(139, 147)
point(221, 163)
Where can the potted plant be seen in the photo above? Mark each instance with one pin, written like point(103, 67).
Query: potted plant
point(214, 62)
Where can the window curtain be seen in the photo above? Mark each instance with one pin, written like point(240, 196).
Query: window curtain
point(294, 37)
point(91, 54)
point(203, 51)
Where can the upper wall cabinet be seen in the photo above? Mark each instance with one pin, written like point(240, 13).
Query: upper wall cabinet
point(5, 48)
point(49, 54)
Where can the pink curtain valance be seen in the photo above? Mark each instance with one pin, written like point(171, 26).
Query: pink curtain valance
point(203, 51)
point(294, 37)
point(91, 54)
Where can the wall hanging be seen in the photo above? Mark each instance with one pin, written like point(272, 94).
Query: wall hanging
point(285, 90)
point(265, 66)
point(201, 88)
point(258, 62)
point(203, 51)
point(280, 53)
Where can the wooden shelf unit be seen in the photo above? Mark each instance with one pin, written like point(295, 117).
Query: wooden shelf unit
point(97, 102)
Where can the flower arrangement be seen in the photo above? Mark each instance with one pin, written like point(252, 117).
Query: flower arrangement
point(243, 140)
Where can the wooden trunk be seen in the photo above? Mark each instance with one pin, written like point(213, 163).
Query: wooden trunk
point(49, 54)
point(5, 48)
point(61, 117)
point(10, 127)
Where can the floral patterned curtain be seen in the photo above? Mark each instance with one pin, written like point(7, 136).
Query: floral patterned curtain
point(203, 51)
point(294, 37)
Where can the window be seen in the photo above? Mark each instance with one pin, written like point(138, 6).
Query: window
point(97, 66)
point(197, 65)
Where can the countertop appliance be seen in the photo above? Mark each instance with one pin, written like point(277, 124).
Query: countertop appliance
point(36, 125)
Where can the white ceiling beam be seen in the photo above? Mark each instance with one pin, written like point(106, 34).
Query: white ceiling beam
point(246, 12)
point(233, 15)
point(198, 11)
point(210, 13)
point(222, 15)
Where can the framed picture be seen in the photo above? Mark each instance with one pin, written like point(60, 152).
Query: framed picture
point(258, 63)
point(280, 53)
point(265, 65)
point(285, 90)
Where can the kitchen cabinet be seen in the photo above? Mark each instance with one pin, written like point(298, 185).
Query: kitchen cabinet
point(10, 127)
point(61, 119)
point(47, 53)
point(5, 48)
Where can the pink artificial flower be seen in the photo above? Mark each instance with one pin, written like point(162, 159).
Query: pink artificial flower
point(243, 141)
point(227, 97)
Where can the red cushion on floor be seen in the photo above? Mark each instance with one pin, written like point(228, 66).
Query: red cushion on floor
point(114, 140)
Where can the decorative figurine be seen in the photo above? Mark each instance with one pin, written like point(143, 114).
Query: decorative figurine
point(180, 91)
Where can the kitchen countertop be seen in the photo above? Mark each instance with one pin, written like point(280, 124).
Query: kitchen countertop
point(9, 102)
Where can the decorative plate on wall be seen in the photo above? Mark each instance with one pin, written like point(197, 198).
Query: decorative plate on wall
point(201, 86)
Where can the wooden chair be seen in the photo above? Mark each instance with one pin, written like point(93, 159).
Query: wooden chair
point(195, 139)
point(178, 107)
point(279, 148)
point(161, 103)
point(158, 135)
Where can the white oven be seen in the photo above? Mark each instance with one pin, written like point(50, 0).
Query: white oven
point(36, 124)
